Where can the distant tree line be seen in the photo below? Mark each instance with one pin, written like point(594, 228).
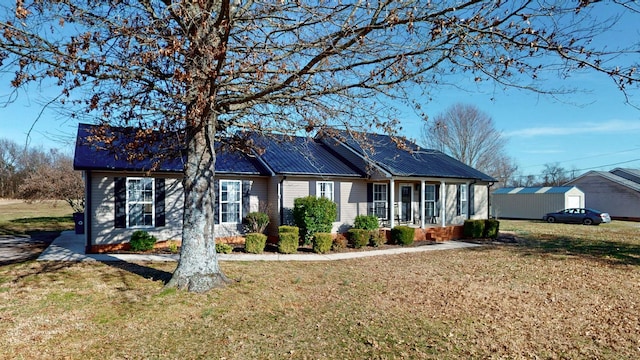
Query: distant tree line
point(34, 174)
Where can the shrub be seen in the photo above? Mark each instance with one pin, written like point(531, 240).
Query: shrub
point(402, 235)
point(358, 237)
point(377, 239)
point(173, 246)
point(367, 222)
point(339, 243)
point(491, 228)
point(142, 241)
point(255, 242)
point(322, 243)
point(222, 248)
point(473, 228)
point(288, 239)
point(256, 222)
point(312, 214)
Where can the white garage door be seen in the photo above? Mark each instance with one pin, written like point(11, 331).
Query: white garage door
point(573, 201)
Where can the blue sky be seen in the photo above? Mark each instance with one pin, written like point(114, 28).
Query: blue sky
point(589, 129)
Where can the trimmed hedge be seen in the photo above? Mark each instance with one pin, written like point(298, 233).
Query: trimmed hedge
point(288, 239)
point(377, 239)
point(313, 214)
point(322, 243)
point(402, 235)
point(222, 248)
point(142, 241)
point(255, 242)
point(473, 228)
point(491, 228)
point(358, 237)
point(367, 222)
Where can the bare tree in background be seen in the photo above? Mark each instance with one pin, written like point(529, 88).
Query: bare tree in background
point(468, 134)
point(554, 175)
point(197, 71)
point(54, 179)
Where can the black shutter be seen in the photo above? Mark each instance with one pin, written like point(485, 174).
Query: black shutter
point(216, 201)
point(336, 198)
point(458, 200)
point(246, 197)
point(159, 202)
point(370, 207)
point(120, 195)
point(312, 188)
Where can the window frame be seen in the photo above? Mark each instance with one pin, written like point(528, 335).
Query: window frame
point(431, 202)
point(384, 201)
point(320, 192)
point(129, 202)
point(222, 202)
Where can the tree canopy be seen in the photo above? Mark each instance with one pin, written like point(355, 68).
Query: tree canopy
point(201, 70)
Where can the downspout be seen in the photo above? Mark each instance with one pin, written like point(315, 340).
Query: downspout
point(489, 199)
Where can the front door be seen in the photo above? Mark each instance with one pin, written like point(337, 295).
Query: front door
point(405, 203)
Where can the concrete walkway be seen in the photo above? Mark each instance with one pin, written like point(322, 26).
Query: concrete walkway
point(71, 247)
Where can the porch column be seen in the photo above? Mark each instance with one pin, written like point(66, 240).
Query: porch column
point(443, 203)
point(392, 200)
point(421, 206)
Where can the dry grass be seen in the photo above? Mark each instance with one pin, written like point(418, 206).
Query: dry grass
point(534, 299)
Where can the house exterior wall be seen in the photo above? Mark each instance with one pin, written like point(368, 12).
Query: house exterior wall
point(605, 195)
point(102, 209)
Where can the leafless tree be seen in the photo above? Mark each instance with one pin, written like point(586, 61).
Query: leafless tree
point(198, 71)
point(54, 179)
point(468, 134)
point(554, 175)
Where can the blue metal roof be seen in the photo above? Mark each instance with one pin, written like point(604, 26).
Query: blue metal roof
point(294, 155)
point(94, 155)
point(411, 160)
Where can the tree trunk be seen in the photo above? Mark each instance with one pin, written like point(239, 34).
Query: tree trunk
point(198, 269)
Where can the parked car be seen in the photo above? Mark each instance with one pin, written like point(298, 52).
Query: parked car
point(578, 216)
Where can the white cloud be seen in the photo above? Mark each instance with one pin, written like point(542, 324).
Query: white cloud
point(610, 126)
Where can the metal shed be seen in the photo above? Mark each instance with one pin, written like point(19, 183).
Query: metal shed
point(534, 202)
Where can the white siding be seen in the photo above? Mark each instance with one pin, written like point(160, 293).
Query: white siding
point(531, 205)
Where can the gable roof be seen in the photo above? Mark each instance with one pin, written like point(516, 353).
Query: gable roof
point(97, 156)
point(610, 176)
point(534, 190)
point(417, 162)
point(295, 155)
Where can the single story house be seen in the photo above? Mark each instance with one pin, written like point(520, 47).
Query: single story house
point(616, 192)
point(534, 202)
point(403, 184)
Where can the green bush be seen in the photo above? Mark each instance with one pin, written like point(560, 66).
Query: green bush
point(491, 228)
point(256, 222)
point(322, 243)
point(358, 237)
point(377, 239)
point(288, 239)
point(473, 229)
point(367, 222)
point(312, 214)
point(142, 241)
point(222, 248)
point(339, 243)
point(402, 235)
point(255, 242)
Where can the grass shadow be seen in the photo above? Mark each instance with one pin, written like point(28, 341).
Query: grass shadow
point(606, 251)
point(146, 272)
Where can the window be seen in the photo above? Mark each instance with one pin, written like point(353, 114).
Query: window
point(230, 201)
point(140, 207)
point(380, 200)
point(325, 189)
point(462, 199)
point(430, 200)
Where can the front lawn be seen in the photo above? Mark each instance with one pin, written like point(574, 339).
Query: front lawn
point(561, 291)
